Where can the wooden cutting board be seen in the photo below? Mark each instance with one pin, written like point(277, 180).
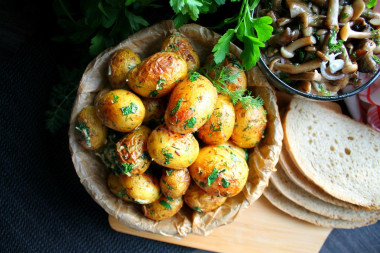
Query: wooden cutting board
point(260, 228)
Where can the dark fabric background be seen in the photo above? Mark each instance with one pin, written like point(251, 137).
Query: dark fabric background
point(44, 208)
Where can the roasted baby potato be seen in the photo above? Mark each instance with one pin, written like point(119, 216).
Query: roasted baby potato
point(119, 65)
point(172, 150)
point(218, 129)
point(154, 111)
point(174, 183)
point(250, 123)
point(238, 150)
point(142, 189)
point(157, 75)
point(178, 44)
point(219, 171)
point(91, 133)
point(201, 201)
point(133, 153)
point(229, 74)
point(163, 208)
point(190, 104)
point(116, 188)
point(120, 110)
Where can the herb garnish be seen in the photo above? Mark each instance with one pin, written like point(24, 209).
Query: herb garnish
point(175, 109)
point(165, 204)
point(194, 76)
point(126, 168)
point(197, 209)
point(131, 108)
point(84, 131)
point(190, 122)
point(376, 59)
point(169, 172)
point(167, 156)
point(153, 93)
point(115, 98)
point(371, 4)
point(214, 175)
point(160, 84)
point(225, 183)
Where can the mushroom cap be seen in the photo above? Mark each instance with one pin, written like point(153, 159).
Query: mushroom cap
point(344, 32)
point(358, 6)
point(350, 68)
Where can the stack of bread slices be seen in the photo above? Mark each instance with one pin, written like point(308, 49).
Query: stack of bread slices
point(329, 169)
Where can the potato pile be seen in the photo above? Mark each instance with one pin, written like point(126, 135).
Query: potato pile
point(172, 132)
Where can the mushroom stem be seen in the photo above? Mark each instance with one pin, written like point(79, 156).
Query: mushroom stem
point(358, 6)
point(320, 2)
point(346, 14)
point(293, 69)
point(332, 15)
point(297, 7)
point(349, 67)
point(347, 33)
point(288, 51)
point(283, 38)
point(311, 20)
point(308, 76)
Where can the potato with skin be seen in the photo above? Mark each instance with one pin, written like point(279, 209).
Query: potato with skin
point(133, 153)
point(90, 131)
point(201, 201)
point(171, 149)
point(230, 73)
point(142, 189)
point(157, 75)
point(154, 111)
point(119, 65)
point(178, 44)
point(174, 183)
point(163, 208)
point(238, 150)
point(219, 171)
point(190, 104)
point(114, 184)
point(250, 123)
point(120, 110)
point(218, 129)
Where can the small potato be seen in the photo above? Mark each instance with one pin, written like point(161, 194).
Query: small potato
point(250, 123)
point(180, 45)
point(191, 104)
point(157, 75)
point(163, 208)
point(142, 189)
point(120, 110)
point(172, 150)
point(238, 150)
point(154, 111)
point(119, 65)
point(218, 129)
point(201, 201)
point(230, 73)
point(116, 188)
point(133, 153)
point(174, 183)
point(91, 133)
point(219, 171)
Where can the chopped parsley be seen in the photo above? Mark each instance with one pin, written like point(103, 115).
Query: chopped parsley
point(197, 209)
point(131, 108)
point(84, 131)
point(169, 172)
point(175, 109)
point(160, 84)
point(376, 59)
point(173, 47)
point(153, 93)
point(213, 176)
point(115, 98)
point(126, 168)
point(166, 204)
point(121, 194)
point(335, 45)
point(190, 122)
point(225, 183)
point(194, 76)
point(167, 156)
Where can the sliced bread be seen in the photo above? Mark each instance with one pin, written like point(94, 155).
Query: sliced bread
point(289, 207)
point(296, 194)
point(334, 151)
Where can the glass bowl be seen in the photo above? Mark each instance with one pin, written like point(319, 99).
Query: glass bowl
point(349, 91)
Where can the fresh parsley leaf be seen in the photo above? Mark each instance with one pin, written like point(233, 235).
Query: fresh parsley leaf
point(115, 98)
point(169, 172)
point(222, 48)
point(197, 209)
point(131, 108)
point(165, 204)
point(190, 122)
point(371, 4)
point(153, 93)
point(126, 168)
point(376, 59)
point(83, 129)
point(213, 176)
point(225, 183)
point(168, 156)
point(194, 76)
point(160, 84)
point(175, 109)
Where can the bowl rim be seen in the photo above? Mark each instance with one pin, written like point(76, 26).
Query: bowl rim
point(316, 97)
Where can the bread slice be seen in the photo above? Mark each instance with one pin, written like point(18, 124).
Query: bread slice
point(289, 207)
point(296, 194)
point(334, 151)
point(299, 179)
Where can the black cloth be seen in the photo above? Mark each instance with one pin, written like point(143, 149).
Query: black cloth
point(44, 207)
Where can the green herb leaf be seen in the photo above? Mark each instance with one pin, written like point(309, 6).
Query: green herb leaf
point(222, 48)
point(190, 122)
point(169, 172)
point(160, 84)
point(165, 204)
point(197, 209)
point(175, 109)
point(213, 176)
point(115, 98)
point(126, 168)
point(225, 183)
point(168, 156)
point(194, 76)
point(376, 59)
point(83, 129)
point(131, 108)
point(153, 93)
point(371, 4)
